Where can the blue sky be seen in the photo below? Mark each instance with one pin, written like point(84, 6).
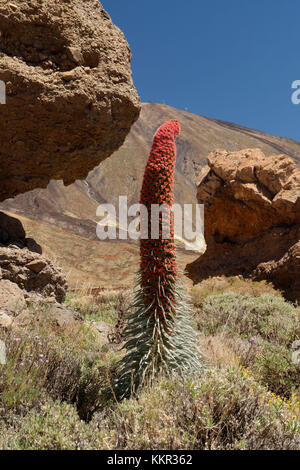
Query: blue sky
point(233, 60)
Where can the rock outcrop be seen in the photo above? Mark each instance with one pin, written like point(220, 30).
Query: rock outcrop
point(252, 219)
point(23, 267)
point(32, 272)
point(12, 298)
point(70, 100)
point(19, 309)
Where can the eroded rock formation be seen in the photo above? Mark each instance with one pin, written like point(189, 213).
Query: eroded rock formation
point(70, 102)
point(32, 272)
point(70, 98)
point(252, 218)
point(22, 263)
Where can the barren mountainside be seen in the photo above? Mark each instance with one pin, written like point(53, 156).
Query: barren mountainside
point(71, 210)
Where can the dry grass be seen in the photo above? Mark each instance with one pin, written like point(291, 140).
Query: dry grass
point(236, 284)
point(100, 305)
point(219, 351)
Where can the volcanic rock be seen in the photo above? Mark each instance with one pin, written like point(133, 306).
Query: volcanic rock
point(11, 229)
point(16, 264)
point(12, 298)
point(252, 218)
point(70, 100)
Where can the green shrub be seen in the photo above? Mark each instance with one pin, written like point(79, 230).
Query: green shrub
point(276, 370)
point(62, 364)
point(105, 306)
point(262, 330)
point(224, 409)
point(267, 316)
point(55, 426)
point(54, 378)
point(235, 284)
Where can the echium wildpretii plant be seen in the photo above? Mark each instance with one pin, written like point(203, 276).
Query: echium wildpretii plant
point(159, 337)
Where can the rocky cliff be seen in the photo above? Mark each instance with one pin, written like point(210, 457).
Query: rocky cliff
point(252, 218)
point(70, 102)
point(21, 262)
point(70, 98)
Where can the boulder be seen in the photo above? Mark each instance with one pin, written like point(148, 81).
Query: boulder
point(2, 353)
point(252, 218)
point(104, 330)
point(48, 312)
point(21, 263)
point(36, 265)
point(12, 298)
point(63, 316)
point(70, 99)
point(32, 272)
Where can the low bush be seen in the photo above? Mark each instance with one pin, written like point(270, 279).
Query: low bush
point(267, 316)
point(247, 398)
point(221, 410)
point(54, 426)
point(258, 333)
point(235, 284)
point(67, 365)
point(101, 306)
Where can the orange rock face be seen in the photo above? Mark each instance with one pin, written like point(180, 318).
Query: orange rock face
point(252, 218)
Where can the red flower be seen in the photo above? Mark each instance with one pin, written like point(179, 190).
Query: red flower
point(158, 257)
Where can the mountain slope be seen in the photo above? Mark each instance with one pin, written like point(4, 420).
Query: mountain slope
point(73, 209)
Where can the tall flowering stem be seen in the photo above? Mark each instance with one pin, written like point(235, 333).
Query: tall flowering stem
point(159, 335)
point(158, 256)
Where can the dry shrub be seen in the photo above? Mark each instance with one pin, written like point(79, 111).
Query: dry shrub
point(100, 305)
point(53, 426)
point(268, 316)
point(235, 284)
point(54, 379)
point(220, 351)
point(259, 331)
point(224, 409)
point(62, 365)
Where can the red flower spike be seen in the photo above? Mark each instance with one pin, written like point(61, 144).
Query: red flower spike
point(159, 255)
